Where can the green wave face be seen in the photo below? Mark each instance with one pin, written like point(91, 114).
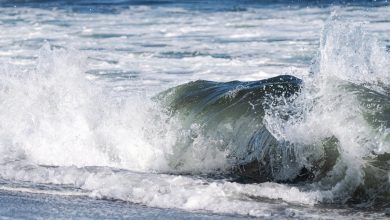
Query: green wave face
point(228, 116)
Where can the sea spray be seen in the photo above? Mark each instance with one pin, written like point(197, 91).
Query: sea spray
point(345, 98)
point(52, 115)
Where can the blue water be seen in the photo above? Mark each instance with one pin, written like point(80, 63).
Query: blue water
point(16, 205)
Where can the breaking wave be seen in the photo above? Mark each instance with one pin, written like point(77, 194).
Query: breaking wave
point(329, 134)
point(322, 139)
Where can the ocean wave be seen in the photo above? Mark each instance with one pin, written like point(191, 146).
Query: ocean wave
point(329, 134)
point(217, 146)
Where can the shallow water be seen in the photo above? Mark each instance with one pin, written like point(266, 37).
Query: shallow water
point(22, 205)
point(87, 122)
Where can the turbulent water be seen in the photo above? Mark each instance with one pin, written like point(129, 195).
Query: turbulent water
point(264, 109)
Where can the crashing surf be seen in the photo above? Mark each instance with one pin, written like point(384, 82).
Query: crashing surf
point(322, 139)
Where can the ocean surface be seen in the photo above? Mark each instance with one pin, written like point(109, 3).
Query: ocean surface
point(204, 109)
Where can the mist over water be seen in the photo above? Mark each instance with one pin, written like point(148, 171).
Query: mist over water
point(103, 102)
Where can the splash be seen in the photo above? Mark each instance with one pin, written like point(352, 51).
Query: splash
point(53, 115)
point(345, 99)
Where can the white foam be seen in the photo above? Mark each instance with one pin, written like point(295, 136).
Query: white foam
point(41, 191)
point(329, 109)
point(54, 116)
point(159, 190)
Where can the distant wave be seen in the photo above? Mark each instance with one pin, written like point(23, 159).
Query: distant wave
point(107, 6)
